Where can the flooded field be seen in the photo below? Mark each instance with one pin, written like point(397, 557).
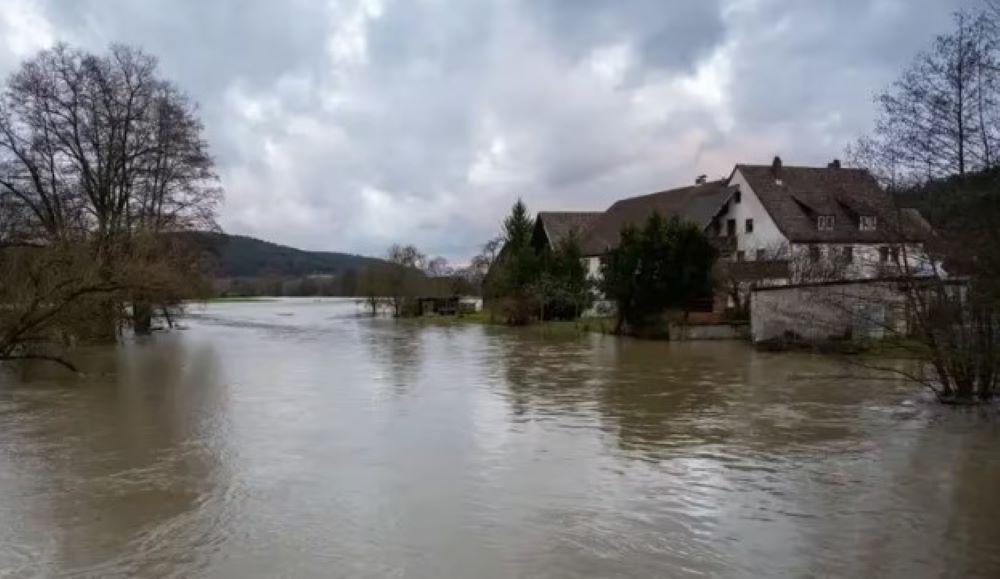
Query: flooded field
point(299, 438)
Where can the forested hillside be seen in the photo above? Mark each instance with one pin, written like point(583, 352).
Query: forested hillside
point(238, 256)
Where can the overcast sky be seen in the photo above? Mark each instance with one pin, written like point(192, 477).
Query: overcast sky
point(349, 125)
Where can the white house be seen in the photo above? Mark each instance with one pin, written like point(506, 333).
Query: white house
point(774, 225)
point(825, 222)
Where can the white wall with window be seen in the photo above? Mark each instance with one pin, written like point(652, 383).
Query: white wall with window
point(756, 233)
point(857, 260)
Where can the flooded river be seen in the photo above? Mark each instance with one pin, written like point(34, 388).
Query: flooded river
point(299, 439)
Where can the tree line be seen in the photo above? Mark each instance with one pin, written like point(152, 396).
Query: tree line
point(658, 267)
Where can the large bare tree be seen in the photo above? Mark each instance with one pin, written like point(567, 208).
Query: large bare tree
point(940, 118)
point(100, 151)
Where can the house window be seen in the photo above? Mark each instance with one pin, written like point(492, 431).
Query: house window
point(741, 255)
point(883, 254)
point(736, 196)
point(868, 223)
point(814, 253)
point(847, 253)
point(761, 254)
point(894, 252)
point(731, 227)
point(749, 225)
point(825, 222)
point(717, 227)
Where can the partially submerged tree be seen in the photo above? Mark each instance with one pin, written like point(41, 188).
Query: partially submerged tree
point(936, 144)
point(373, 287)
point(956, 310)
point(47, 292)
point(98, 151)
point(404, 276)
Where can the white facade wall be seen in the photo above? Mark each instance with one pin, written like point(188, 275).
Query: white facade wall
point(766, 234)
point(866, 262)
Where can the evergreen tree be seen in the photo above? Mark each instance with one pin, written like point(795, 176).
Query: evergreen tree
point(516, 271)
point(569, 288)
point(665, 265)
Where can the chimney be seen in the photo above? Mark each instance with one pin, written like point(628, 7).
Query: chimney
point(835, 164)
point(776, 170)
point(701, 180)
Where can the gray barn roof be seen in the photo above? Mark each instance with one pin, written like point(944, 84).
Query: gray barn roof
point(697, 203)
point(558, 224)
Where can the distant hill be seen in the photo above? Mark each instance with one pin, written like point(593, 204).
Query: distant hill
point(237, 256)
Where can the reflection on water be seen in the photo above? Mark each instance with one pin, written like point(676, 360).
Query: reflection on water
point(297, 438)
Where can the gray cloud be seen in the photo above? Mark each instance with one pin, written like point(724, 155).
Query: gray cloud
point(348, 125)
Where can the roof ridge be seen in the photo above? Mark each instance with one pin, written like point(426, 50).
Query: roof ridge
point(807, 167)
point(675, 189)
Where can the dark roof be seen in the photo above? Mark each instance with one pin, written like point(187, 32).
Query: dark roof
point(796, 196)
point(697, 203)
point(558, 224)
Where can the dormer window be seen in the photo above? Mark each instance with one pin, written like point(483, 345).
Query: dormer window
point(868, 223)
point(825, 222)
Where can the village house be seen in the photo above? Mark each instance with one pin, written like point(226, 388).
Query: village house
point(773, 225)
point(830, 222)
point(698, 204)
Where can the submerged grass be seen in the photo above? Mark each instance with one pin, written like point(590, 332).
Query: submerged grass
point(554, 327)
point(238, 299)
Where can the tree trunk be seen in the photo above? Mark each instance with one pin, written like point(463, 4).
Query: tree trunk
point(142, 318)
point(619, 324)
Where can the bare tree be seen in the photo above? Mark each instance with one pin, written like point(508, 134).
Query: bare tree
point(99, 151)
point(481, 264)
point(373, 287)
point(940, 117)
point(404, 276)
point(439, 267)
point(936, 142)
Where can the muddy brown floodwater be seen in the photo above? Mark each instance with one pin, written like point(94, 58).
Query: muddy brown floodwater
point(298, 439)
